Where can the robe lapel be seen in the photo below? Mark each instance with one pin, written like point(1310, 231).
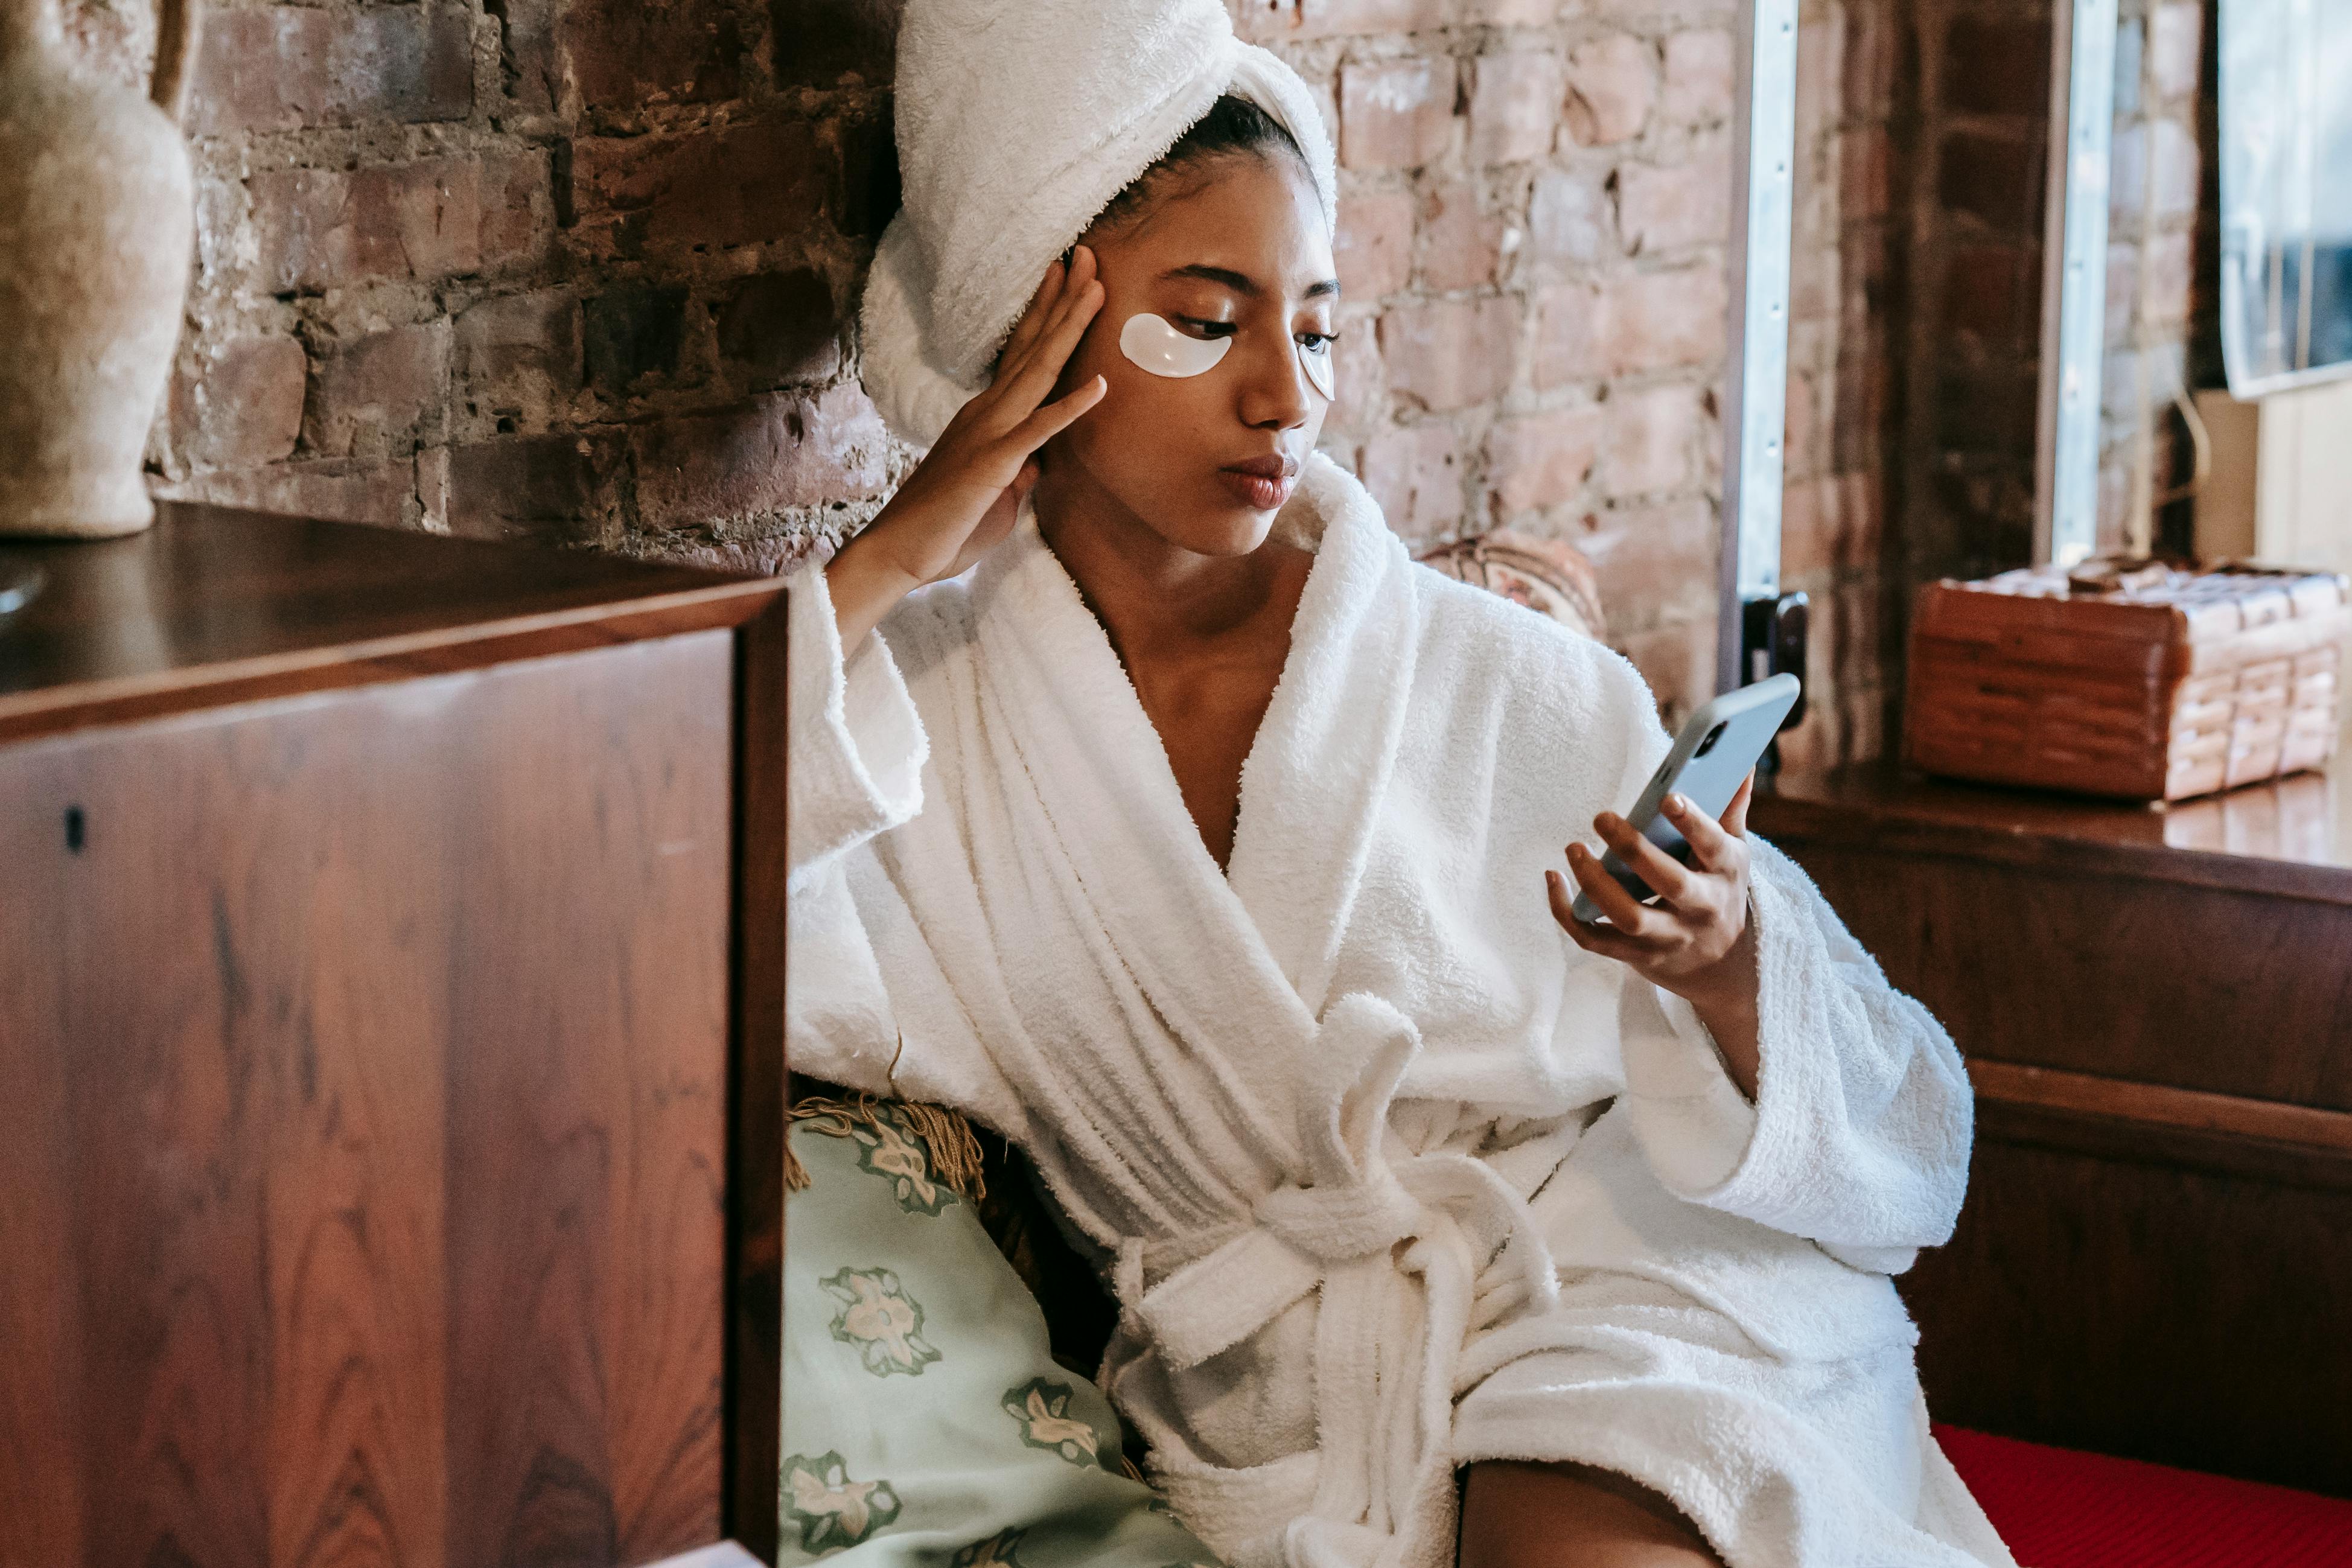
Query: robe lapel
point(1237, 967)
point(1313, 786)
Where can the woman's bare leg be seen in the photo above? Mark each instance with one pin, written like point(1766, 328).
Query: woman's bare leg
point(1518, 1515)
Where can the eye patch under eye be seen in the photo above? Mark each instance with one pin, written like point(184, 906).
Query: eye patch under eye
point(1316, 362)
point(1153, 344)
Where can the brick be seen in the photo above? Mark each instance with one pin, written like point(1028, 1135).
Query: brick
point(1671, 206)
point(1511, 13)
point(775, 451)
point(1416, 476)
point(628, 54)
point(1865, 173)
point(1611, 83)
point(1867, 268)
point(2171, 266)
point(1816, 109)
point(324, 228)
point(1460, 247)
point(1700, 87)
point(695, 190)
point(1657, 321)
point(1514, 104)
point(1991, 293)
point(1569, 218)
point(519, 356)
point(379, 393)
point(1541, 460)
point(1799, 426)
point(1997, 64)
point(1374, 245)
point(518, 202)
point(1864, 395)
point(1815, 281)
point(1994, 178)
point(1450, 353)
point(560, 488)
point(1359, 378)
point(779, 327)
point(1654, 440)
point(432, 489)
point(2123, 290)
point(862, 192)
point(1297, 21)
point(1808, 529)
point(381, 491)
point(291, 67)
point(2176, 49)
point(2131, 59)
point(530, 62)
point(1868, 56)
point(630, 331)
point(241, 404)
point(1571, 329)
point(818, 42)
point(2176, 168)
point(1660, 558)
point(1395, 115)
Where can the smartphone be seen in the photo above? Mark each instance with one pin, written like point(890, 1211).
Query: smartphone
point(1717, 750)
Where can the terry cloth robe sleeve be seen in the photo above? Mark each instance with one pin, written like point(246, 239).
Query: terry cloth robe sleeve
point(857, 745)
point(855, 750)
point(1858, 1137)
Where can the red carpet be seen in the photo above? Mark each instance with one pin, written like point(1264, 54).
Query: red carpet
point(2060, 1508)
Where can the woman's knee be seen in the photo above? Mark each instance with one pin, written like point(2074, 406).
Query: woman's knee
point(1522, 1515)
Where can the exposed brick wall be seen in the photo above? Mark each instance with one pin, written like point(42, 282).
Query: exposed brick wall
point(585, 271)
point(572, 270)
point(2158, 169)
point(1977, 213)
point(1535, 204)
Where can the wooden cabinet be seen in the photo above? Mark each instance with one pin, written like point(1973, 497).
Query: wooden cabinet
point(390, 1053)
point(2155, 1254)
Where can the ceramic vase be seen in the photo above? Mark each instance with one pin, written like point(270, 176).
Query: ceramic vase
point(97, 222)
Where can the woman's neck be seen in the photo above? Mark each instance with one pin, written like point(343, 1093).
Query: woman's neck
point(1158, 600)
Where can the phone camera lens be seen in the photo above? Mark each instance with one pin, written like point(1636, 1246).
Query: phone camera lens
point(1708, 745)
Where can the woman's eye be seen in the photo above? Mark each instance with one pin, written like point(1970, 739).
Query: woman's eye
point(1209, 328)
point(1318, 342)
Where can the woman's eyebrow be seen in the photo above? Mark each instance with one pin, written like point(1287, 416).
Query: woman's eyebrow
point(1242, 283)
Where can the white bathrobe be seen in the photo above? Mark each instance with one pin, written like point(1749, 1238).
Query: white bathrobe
point(1389, 1176)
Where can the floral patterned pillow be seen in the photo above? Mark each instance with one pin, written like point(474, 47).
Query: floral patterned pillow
point(925, 1421)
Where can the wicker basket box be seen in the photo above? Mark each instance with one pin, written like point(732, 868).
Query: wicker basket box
point(2138, 681)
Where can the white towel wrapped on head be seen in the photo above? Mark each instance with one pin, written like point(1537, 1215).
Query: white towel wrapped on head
point(1017, 123)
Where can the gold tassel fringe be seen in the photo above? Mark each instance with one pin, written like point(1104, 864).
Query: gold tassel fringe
point(947, 1138)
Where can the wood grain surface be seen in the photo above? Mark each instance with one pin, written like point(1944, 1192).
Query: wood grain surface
point(755, 1207)
point(365, 1130)
point(214, 605)
point(2152, 1261)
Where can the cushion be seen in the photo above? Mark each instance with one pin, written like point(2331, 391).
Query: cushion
point(1548, 576)
point(2057, 1508)
point(926, 1421)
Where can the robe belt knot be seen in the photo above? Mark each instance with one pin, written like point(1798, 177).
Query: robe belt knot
point(1348, 1200)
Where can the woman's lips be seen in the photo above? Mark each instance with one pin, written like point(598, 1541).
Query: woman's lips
point(1257, 492)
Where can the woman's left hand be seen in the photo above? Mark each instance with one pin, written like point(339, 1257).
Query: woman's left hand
point(1696, 941)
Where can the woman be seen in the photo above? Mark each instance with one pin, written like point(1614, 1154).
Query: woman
point(1212, 851)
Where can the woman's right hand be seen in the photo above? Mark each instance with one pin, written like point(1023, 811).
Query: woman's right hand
point(962, 497)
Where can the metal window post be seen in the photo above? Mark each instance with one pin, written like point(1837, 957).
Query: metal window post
point(1751, 641)
point(2074, 281)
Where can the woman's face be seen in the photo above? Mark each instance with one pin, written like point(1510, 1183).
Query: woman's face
point(1234, 267)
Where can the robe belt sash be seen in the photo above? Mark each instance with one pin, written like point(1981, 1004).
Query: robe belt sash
point(1389, 1325)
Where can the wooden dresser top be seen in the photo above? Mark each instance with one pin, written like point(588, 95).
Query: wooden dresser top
point(214, 605)
point(2290, 836)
